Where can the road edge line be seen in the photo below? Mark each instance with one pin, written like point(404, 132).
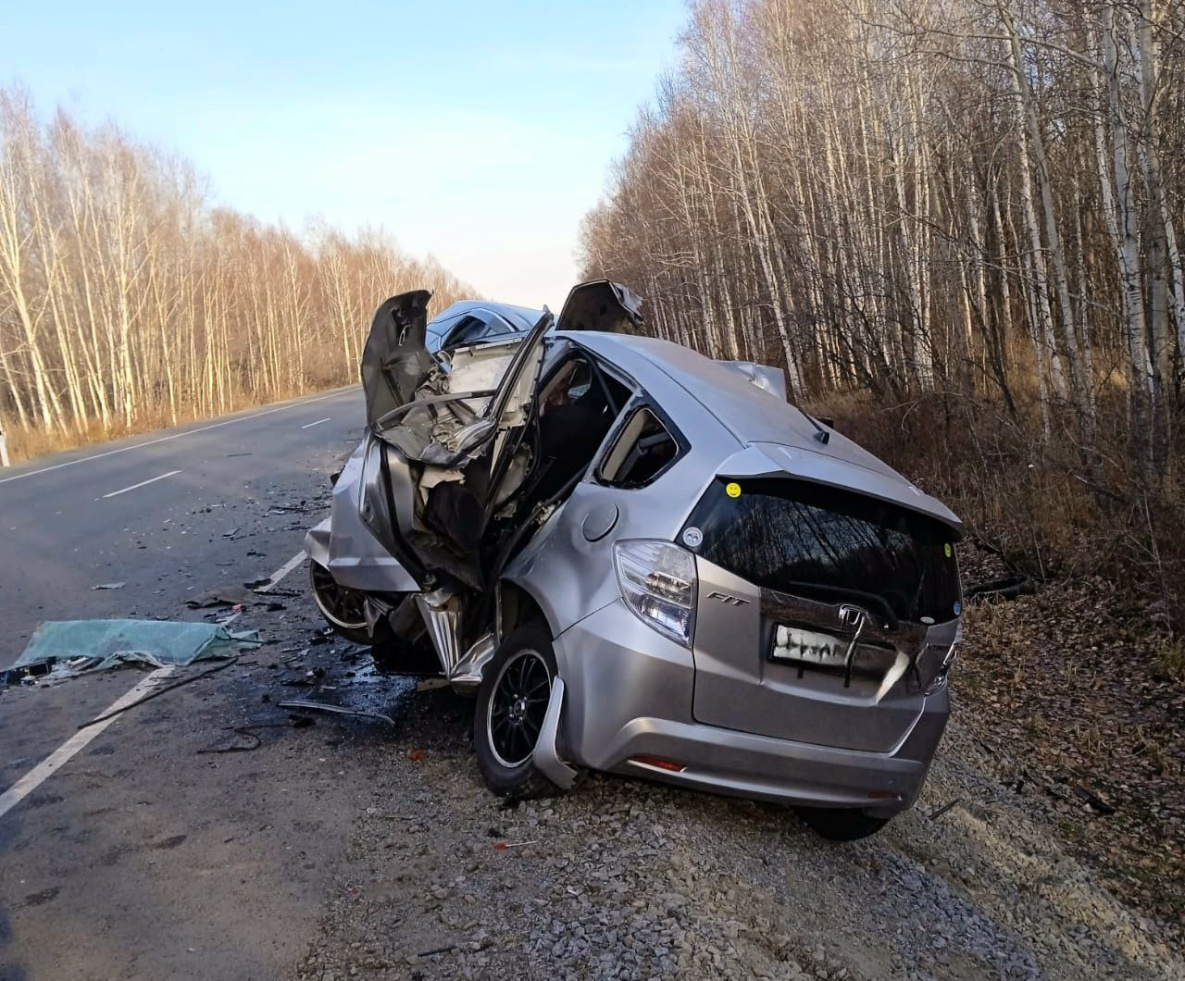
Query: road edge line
point(143, 483)
point(82, 738)
point(79, 741)
point(188, 432)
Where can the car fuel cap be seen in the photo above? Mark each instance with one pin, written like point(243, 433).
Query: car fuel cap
point(599, 522)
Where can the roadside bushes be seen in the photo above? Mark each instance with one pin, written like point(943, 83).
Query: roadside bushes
point(1047, 507)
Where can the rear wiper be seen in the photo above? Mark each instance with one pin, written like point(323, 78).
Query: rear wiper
point(874, 599)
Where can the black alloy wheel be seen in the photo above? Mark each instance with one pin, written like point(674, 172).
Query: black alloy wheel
point(516, 710)
point(511, 708)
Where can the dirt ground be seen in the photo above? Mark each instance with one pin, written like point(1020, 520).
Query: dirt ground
point(215, 826)
point(628, 879)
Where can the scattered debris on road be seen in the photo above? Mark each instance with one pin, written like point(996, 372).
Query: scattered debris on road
point(222, 596)
point(157, 692)
point(109, 585)
point(336, 710)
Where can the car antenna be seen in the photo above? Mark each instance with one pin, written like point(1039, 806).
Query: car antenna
point(821, 434)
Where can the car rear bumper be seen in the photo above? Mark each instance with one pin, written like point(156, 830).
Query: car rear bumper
point(629, 695)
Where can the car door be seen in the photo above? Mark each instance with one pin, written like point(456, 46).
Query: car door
point(431, 503)
point(457, 477)
point(395, 362)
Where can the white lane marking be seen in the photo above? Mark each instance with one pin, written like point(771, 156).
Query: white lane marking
point(317, 423)
point(188, 432)
point(143, 483)
point(281, 572)
point(37, 776)
point(272, 582)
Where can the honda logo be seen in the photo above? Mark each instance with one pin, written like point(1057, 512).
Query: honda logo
point(852, 617)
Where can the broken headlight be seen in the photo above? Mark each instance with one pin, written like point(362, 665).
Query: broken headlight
point(658, 583)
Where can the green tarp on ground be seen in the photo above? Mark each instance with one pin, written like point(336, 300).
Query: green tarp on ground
point(111, 643)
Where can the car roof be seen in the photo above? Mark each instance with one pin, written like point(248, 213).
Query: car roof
point(520, 318)
point(775, 434)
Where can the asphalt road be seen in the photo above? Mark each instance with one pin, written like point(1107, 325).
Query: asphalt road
point(135, 511)
point(140, 858)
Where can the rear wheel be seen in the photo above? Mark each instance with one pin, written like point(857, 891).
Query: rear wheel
point(511, 705)
point(840, 823)
point(343, 608)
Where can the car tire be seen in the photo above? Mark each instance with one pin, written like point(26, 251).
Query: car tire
point(339, 605)
point(511, 703)
point(841, 823)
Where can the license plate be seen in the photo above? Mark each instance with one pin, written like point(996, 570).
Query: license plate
point(809, 647)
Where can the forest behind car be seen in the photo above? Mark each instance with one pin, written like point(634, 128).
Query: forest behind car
point(955, 229)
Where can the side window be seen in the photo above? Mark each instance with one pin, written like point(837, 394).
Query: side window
point(644, 448)
point(497, 328)
point(468, 330)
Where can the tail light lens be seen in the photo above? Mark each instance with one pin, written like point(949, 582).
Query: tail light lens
point(658, 583)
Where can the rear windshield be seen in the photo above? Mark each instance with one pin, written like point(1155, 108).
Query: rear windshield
point(829, 544)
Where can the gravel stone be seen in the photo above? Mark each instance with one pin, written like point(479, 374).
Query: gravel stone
point(631, 880)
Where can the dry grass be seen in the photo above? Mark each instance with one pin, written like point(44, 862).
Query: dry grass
point(1051, 512)
point(1079, 687)
point(1172, 660)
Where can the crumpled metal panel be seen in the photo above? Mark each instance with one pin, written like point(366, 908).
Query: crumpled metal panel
point(395, 361)
point(466, 676)
point(441, 610)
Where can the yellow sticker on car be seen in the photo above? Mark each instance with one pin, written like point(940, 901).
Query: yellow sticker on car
point(734, 489)
point(947, 548)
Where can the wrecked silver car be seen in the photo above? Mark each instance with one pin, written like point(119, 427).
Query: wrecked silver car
point(645, 562)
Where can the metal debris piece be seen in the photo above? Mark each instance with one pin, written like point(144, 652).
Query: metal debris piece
point(336, 710)
point(944, 808)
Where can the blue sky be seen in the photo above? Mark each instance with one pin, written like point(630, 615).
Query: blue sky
point(478, 131)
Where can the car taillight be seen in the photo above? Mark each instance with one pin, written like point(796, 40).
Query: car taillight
point(658, 582)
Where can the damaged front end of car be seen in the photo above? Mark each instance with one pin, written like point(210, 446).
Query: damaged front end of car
point(444, 489)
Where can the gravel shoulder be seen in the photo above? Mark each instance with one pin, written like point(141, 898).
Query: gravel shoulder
point(629, 879)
